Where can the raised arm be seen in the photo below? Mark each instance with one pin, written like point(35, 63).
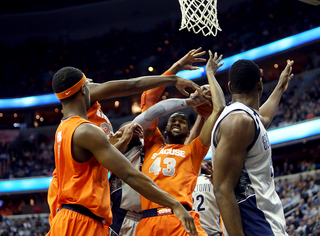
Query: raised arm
point(91, 139)
point(151, 97)
point(218, 99)
point(120, 88)
point(236, 134)
point(196, 129)
point(163, 108)
point(269, 108)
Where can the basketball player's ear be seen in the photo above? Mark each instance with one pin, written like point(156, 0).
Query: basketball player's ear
point(260, 85)
point(83, 89)
point(229, 86)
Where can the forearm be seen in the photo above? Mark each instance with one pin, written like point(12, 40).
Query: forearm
point(148, 189)
point(269, 108)
point(196, 129)
point(121, 145)
point(128, 87)
point(218, 98)
point(121, 167)
point(150, 82)
point(175, 68)
point(230, 212)
point(162, 108)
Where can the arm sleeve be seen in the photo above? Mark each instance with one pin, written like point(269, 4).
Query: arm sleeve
point(150, 97)
point(162, 108)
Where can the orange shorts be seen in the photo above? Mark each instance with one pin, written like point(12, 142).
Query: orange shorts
point(71, 223)
point(166, 225)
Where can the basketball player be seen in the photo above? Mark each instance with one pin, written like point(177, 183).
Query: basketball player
point(175, 166)
point(128, 87)
point(126, 204)
point(205, 203)
point(243, 172)
point(83, 156)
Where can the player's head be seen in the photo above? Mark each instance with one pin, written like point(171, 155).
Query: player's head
point(68, 81)
point(177, 129)
point(244, 75)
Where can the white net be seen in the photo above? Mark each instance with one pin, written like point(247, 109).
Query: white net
point(200, 16)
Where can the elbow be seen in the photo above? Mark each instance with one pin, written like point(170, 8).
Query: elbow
point(221, 192)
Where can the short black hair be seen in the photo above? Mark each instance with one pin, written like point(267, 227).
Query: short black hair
point(65, 78)
point(244, 75)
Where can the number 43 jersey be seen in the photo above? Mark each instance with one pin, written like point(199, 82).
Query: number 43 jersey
point(173, 167)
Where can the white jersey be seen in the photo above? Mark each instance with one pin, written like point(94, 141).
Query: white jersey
point(122, 195)
point(204, 202)
point(260, 206)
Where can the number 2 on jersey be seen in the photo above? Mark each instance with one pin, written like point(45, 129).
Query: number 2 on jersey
point(169, 171)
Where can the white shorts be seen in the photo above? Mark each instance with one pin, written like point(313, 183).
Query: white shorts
point(124, 222)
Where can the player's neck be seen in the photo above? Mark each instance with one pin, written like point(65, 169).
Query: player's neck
point(74, 109)
point(173, 140)
point(248, 99)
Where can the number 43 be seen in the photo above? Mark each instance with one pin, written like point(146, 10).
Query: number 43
point(169, 171)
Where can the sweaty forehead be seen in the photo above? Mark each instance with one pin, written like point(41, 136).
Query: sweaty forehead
point(178, 116)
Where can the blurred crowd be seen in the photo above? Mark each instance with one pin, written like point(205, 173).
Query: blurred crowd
point(301, 200)
point(32, 159)
point(24, 226)
point(28, 68)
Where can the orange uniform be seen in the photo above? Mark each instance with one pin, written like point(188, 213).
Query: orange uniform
point(174, 168)
point(97, 117)
point(85, 184)
point(150, 97)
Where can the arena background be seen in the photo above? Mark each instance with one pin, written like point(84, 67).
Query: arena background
point(124, 39)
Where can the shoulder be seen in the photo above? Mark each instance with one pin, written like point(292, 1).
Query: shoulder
point(238, 121)
point(239, 126)
point(87, 130)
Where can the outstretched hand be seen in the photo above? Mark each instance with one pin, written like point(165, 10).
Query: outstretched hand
point(126, 132)
point(205, 97)
point(186, 62)
point(182, 84)
point(286, 76)
point(186, 219)
point(213, 63)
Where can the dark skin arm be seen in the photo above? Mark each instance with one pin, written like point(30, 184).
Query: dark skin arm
point(123, 136)
point(89, 140)
point(120, 88)
point(269, 108)
point(236, 134)
point(218, 99)
point(196, 129)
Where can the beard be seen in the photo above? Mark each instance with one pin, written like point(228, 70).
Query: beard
point(176, 136)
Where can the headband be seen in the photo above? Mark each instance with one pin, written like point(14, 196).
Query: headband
point(70, 91)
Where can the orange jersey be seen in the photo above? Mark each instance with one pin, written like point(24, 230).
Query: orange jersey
point(97, 117)
point(84, 184)
point(173, 167)
point(151, 97)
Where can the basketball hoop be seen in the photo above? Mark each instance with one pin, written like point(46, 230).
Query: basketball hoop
point(200, 16)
